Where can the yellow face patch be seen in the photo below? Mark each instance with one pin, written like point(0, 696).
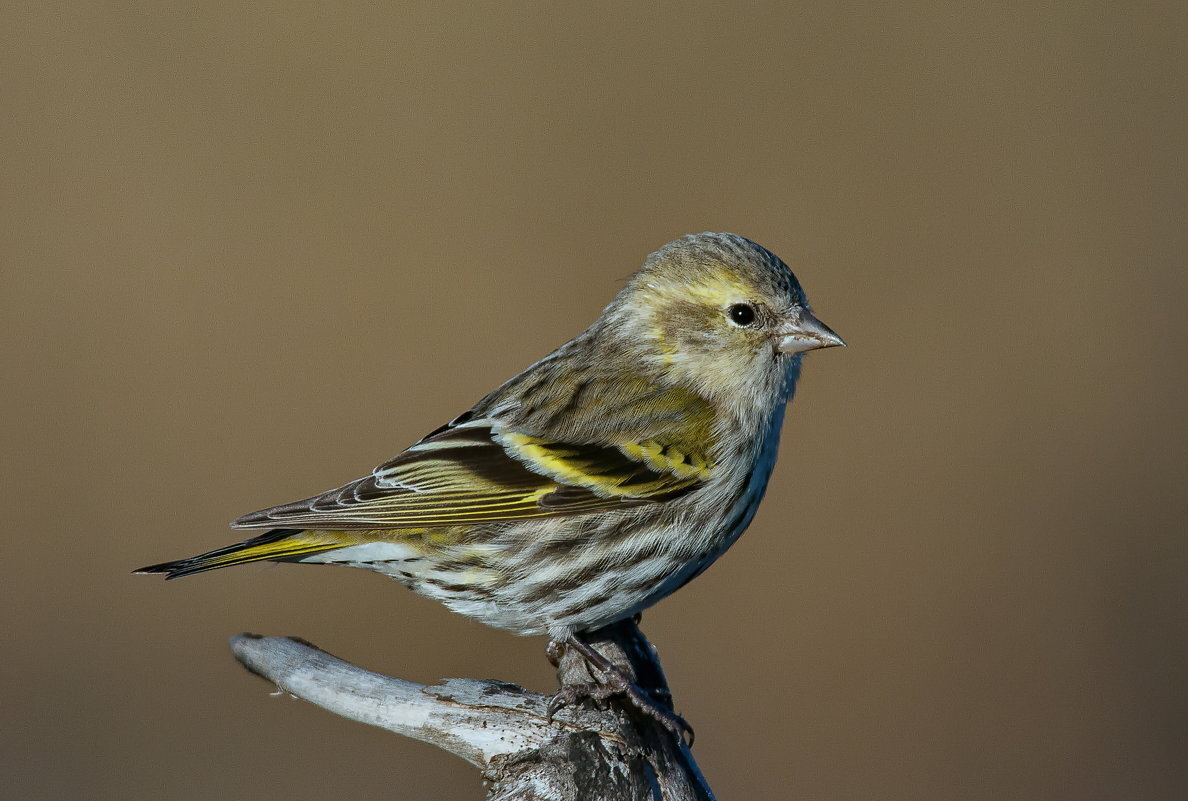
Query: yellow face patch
point(717, 289)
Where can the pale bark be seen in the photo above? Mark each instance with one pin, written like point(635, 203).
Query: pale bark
point(588, 752)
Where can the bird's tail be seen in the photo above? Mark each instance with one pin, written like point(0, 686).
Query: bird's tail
point(277, 544)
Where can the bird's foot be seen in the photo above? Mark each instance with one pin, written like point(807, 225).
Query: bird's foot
point(572, 694)
point(612, 680)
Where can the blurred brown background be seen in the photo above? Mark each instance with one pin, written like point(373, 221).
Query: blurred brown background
point(248, 253)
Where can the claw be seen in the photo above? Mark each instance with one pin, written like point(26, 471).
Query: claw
point(613, 680)
point(572, 694)
point(676, 725)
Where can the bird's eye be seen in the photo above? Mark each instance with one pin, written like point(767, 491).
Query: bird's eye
point(741, 313)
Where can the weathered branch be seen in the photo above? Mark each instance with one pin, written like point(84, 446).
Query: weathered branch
point(609, 752)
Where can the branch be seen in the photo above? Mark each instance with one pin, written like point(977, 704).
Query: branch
point(611, 753)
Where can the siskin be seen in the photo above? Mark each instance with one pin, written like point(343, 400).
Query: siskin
point(596, 482)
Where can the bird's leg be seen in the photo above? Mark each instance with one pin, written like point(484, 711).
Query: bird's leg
point(611, 680)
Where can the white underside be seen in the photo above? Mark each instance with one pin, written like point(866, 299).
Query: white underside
point(365, 554)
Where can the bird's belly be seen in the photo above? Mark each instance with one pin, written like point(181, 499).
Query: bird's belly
point(444, 574)
point(623, 570)
point(719, 534)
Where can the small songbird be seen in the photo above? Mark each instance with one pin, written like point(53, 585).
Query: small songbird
point(596, 482)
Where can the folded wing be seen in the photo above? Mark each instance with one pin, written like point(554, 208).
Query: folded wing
point(474, 472)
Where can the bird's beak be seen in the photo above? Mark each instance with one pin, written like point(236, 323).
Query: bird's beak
point(805, 332)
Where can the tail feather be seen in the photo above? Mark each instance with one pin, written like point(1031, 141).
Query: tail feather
point(280, 543)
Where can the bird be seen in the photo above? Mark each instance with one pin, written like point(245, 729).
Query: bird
point(596, 482)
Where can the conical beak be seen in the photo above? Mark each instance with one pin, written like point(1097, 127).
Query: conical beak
point(805, 333)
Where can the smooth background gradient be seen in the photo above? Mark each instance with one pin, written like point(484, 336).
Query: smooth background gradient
point(250, 252)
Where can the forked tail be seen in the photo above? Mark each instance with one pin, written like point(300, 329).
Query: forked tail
point(277, 544)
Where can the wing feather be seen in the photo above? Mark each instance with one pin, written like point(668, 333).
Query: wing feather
point(472, 471)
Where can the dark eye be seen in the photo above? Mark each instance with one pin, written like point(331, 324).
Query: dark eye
point(741, 313)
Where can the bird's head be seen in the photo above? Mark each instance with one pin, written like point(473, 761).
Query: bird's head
point(721, 314)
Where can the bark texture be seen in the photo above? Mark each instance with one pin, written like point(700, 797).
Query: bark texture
point(604, 751)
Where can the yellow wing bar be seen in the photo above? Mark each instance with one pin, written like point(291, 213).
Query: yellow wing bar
point(473, 474)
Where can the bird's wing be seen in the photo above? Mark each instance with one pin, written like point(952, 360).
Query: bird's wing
point(475, 471)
